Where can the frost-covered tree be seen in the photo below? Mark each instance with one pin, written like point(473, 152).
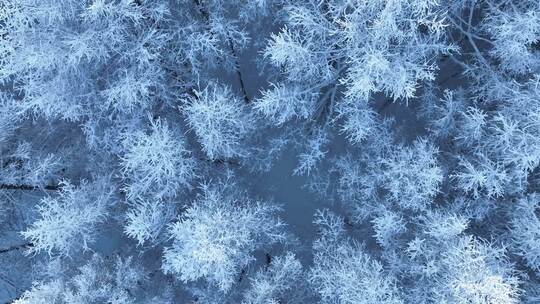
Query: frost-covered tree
point(388, 226)
point(145, 220)
point(502, 150)
point(416, 122)
point(412, 175)
point(343, 272)
point(65, 54)
point(281, 281)
point(216, 237)
point(388, 177)
point(487, 177)
point(450, 266)
point(525, 230)
point(220, 120)
point(156, 163)
point(476, 273)
point(101, 280)
point(316, 151)
point(23, 164)
point(42, 293)
point(67, 222)
point(347, 51)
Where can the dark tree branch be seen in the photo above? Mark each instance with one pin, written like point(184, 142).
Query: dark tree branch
point(206, 16)
point(220, 161)
point(24, 187)
point(242, 273)
point(238, 73)
point(16, 247)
